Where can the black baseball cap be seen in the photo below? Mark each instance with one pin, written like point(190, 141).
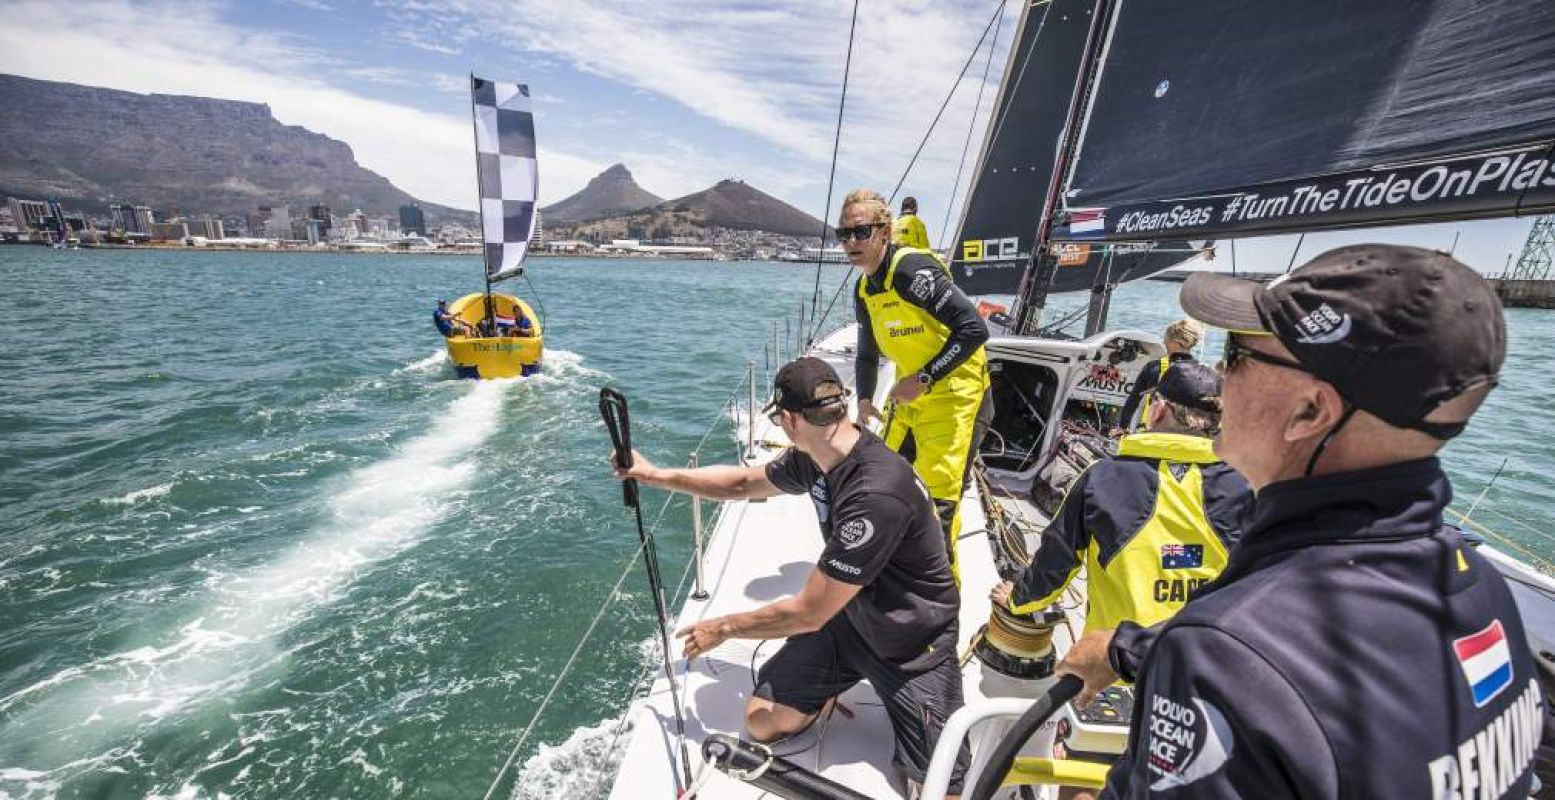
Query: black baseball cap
point(1396, 330)
point(794, 387)
point(1191, 385)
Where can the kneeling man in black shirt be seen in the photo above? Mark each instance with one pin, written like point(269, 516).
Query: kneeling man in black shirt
point(884, 568)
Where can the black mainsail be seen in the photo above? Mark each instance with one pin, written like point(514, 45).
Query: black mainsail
point(1015, 170)
point(1214, 119)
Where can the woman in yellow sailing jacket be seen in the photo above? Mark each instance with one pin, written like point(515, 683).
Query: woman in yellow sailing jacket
point(910, 311)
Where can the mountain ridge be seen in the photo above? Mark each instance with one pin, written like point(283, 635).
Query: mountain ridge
point(92, 147)
point(730, 204)
point(611, 192)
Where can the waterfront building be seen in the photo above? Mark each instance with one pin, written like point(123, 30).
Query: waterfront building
point(413, 220)
point(207, 227)
point(356, 225)
point(144, 219)
point(169, 231)
point(27, 215)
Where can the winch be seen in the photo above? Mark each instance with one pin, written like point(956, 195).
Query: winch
point(1018, 646)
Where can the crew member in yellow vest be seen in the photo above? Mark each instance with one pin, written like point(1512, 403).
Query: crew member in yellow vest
point(908, 230)
point(910, 311)
point(1149, 525)
point(1180, 339)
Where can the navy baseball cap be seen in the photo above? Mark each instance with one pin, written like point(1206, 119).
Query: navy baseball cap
point(796, 383)
point(1191, 385)
point(1397, 331)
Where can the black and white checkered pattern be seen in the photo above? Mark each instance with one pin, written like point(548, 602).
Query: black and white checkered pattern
point(505, 169)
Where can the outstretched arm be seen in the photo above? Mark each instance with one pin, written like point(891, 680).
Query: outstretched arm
point(718, 482)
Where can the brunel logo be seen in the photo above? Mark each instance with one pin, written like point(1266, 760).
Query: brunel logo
point(906, 330)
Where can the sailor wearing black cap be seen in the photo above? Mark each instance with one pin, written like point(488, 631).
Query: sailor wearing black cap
point(881, 603)
point(1355, 646)
point(1150, 525)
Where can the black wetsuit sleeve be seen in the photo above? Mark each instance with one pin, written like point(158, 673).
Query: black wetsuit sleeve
point(866, 367)
point(1149, 376)
point(1214, 719)
point(1058, 554)
point(922, 281)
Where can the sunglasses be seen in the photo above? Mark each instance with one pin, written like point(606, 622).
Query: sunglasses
point(858, 232)
point(1238, 354)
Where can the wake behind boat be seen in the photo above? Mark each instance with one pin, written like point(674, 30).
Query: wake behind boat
point(490, 334)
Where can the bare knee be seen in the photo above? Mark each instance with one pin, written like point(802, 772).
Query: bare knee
point(767, 721)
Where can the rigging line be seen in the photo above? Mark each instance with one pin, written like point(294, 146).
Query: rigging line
point(977, 107)
point(998, 14)
point(835, 295)
point(572, 659)
point(831, 177)
point(1025, 62)
point(538, 300)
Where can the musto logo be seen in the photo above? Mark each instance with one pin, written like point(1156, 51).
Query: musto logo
point(1188, 741)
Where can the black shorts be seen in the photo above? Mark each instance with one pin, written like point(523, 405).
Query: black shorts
point(814, 667)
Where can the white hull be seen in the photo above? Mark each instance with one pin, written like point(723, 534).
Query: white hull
point(758, 552)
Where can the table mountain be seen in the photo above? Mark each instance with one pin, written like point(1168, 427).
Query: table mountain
point(91, 147)
point(609, 193)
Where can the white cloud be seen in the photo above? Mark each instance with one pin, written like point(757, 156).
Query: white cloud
point(191, 50)
point(771, 71)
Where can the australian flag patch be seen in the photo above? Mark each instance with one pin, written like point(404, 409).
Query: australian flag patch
point(1182, 556)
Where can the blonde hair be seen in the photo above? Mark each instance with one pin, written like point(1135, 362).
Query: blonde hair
point(879, 210)
point(1186, 332)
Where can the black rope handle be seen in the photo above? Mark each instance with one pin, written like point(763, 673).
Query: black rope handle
point(612, 406)
point(1003, 756)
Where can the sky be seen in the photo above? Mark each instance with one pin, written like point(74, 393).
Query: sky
point(684, 92)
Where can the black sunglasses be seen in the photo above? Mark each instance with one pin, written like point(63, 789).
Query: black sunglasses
point(1238, 354)
point(859, 232)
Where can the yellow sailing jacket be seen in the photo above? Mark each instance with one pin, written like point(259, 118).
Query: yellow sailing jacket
point(909, 231)
point(1150, 526)
point(907, 334)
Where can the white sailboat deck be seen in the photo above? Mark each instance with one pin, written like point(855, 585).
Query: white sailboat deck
point(762, 551)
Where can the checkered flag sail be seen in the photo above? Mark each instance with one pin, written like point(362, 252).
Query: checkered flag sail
point(505, 169)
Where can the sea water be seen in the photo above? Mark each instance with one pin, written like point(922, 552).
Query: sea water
point(257, 541)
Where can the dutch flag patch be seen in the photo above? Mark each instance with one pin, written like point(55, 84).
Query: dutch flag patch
point(1486, 661)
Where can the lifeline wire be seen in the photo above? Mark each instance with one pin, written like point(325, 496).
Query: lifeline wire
point(572, 659)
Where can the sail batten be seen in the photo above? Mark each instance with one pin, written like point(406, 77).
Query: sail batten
point(505, 173)
point(1216, 119)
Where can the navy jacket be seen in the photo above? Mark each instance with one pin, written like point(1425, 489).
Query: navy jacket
point(1354, 647)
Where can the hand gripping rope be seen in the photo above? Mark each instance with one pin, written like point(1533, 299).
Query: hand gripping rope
point(612, 407)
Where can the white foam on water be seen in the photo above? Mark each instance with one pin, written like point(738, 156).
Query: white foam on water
point(431, 363)
point(578, 767)
point(379, 511)
point(134, 497)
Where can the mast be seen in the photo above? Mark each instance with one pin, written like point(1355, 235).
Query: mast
point(476, 150)
point(1039, 272)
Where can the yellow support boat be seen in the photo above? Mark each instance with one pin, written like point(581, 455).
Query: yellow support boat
point(496, 335)
point(512, 350)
